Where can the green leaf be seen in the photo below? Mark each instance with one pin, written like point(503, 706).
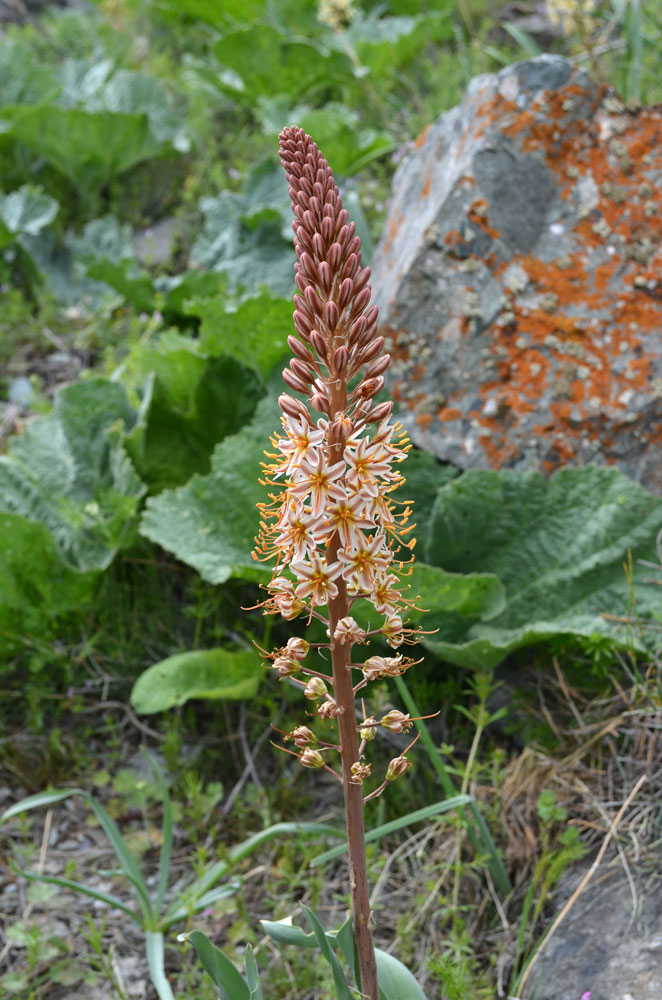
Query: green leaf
point(211, 522)
point(207, 673)
point(395, 980)
point(195, 402)
point(166, 830)
point(86, 890)
point(267, 60)
point(285, 932)
point(253, 976)
point(248, 236)
point(69, 471)
point(46, 798)
point(21, 80)
point(90, 148)
point(254, 331)
point(35, 585)
point(558, 546)
point(339, 980)
point(155, 963)
point(27, 210)
point(231, 984)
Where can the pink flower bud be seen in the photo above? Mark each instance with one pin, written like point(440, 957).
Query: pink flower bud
point(331, 315)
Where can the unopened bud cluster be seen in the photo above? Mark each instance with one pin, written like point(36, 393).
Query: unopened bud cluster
point(331, 523)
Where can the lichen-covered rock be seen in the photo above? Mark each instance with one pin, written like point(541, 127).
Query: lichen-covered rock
point(520, 277)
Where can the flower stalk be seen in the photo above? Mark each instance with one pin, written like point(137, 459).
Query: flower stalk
point(337, 534)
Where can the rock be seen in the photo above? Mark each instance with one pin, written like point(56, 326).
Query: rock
point(154, 246)
point(606, 945)
point(517, 280)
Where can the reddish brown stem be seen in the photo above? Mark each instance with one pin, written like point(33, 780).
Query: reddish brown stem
point(343, 691)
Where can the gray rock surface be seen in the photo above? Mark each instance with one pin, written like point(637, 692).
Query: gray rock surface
point(518, 277)
point(610, 944)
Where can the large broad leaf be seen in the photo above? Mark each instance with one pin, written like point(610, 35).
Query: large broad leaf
point(35, 585)
point(27, 210)
point(69, 471)
point(558, 546)
point(21, 81)
point(254, 331)
point(208, 673)
point(88, 147)
point(196, 401)
point(211, 522)
point(337, 130)
point(248, 236)
point(264, 60)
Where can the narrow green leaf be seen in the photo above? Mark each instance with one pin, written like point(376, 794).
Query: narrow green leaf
point(155, 962)
point(46, 798)
point(398, 824)
point(198, 903)
point(340, 982)
point(231, 984)
point(86, 890)
point(285, 932)
point(253, 976)
point(166, 829)
point(124, 856)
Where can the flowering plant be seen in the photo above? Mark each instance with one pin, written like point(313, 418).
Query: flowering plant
point(331, 521)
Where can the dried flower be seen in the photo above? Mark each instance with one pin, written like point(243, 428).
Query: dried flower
point(396, 722)
point(311, 758)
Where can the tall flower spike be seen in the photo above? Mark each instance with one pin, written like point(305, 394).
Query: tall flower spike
point(331, 524)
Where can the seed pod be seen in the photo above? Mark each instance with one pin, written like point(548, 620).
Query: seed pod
point(397, 767)
point(315, 688)
point(303, 736)
point(395, 721)
point(311, 758)
point(368, 730)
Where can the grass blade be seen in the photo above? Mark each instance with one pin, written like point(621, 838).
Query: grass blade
point(445, 805)
point(340, 982)
point(124, 856)
point(494, 862)
point(67, 883)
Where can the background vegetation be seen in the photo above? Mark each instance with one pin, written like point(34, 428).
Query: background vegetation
point(146, 277)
